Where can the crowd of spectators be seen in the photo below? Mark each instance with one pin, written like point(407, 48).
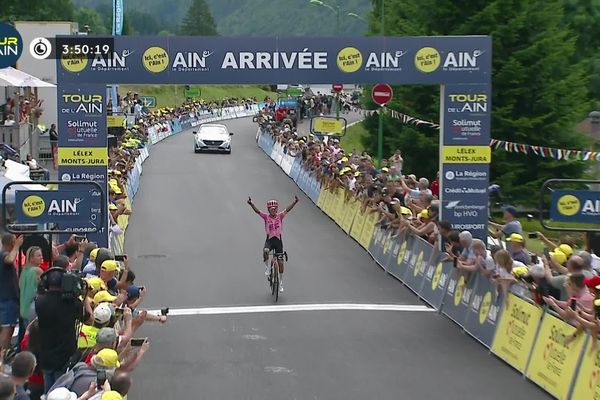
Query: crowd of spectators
point(77, 306)
point(564, 278)
point(28, 108)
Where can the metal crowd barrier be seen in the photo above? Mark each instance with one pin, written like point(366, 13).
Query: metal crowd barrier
point(526, 336)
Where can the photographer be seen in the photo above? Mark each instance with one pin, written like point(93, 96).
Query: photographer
point(58, 312)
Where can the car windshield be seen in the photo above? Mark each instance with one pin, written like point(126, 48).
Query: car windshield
point(213, 130)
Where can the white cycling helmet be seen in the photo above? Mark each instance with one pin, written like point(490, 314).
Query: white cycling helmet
point(272, 204)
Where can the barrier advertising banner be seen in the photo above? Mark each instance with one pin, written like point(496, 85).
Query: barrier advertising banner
point(587, 384)
point(358, 225)
point(575, 206)
point(484, 311)
point(376, 245)
point(367, 232)
point(458, 296)
point(52, 206)
point(553, 361)
point(82, 144)
point(436, 279)
point(351, 210)
point(414, 271)
point(516, 332)
point(399, 266)
point(230, 60)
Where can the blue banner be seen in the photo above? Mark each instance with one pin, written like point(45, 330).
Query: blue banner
point(458, 296)
point(78, 207)
point(231, 60)
point(82, 143)
point(466, 155)
point(118, 17)
point(484, 311)
point(575, 206)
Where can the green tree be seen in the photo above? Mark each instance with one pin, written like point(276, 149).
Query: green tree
point(36, 10)
point(539, 93)
point(88, 16)
point(198, 20)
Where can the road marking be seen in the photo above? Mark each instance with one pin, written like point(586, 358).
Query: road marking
point(296, 307)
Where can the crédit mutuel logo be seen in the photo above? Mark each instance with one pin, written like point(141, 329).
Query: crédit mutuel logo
point(11, 45)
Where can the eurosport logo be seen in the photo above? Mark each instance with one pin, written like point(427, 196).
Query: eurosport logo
point(466, 175)
point(11, 45)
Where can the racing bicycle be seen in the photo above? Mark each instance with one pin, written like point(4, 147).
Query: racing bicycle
point(274, 274)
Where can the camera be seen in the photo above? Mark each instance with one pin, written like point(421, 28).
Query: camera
point(73, 286)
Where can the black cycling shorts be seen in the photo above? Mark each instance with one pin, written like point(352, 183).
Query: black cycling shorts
point(274, 243)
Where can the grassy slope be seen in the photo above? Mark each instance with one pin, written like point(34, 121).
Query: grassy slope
point(353, 138)
point(172, 95)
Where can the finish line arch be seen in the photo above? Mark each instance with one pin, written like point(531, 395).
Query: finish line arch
point(461, 65)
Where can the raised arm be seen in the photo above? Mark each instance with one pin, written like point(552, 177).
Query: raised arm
point(289, 208)
point(256, 210)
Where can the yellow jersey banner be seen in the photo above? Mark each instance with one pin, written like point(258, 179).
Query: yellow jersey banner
point(83, 156)
point(516, 331)
point(587, 384)
point(553, 361)
point(467, 154)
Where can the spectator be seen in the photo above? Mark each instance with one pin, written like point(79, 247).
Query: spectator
point(90, 267)
point(517, 248)
point(120, 384)
point(10, 120)
point(577, 295)
point(511, 224)
point(78, 380)
point(101, 318)
point(28, 282)
point(22, 368)
point(575, 265)
point(57, 324)
point(31, 163)
point(9, 288)
point(31, 343)
point(7, 387)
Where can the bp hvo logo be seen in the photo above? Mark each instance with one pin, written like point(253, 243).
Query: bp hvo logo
point(11, 45)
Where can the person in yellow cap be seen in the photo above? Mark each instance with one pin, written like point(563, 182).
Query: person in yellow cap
point(90, 266)
point(517, 248)
point(566, 240)
point(95, 285)
point(103, 296)
point(108, 272)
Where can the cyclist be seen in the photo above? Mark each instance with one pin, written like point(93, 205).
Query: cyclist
point(273, 227)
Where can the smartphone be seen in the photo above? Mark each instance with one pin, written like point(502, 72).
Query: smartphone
point(532, 235)
point(100, 378)
point(573, 304)
point(79, 238)
point(137, 342)
point(547, 253)
point(121, 257)
point(164, 311)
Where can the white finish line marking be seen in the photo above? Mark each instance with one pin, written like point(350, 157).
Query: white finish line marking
point(296, 307)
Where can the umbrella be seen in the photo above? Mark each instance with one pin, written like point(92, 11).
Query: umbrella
point(13, 77)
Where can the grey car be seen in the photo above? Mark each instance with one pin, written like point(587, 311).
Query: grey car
point(215, 137)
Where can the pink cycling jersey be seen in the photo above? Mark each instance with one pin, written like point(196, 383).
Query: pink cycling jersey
point(273, 225)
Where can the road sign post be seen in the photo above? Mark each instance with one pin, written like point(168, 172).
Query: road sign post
point(381, 94)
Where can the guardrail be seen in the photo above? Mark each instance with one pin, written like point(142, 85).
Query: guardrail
point(526, 336)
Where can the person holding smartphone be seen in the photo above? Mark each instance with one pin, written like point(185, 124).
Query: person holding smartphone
point(579, 297)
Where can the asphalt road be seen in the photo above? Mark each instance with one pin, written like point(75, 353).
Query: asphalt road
point(195, 243)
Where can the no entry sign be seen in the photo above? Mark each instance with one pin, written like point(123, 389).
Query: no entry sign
point(382, 94)
point(337, 87)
